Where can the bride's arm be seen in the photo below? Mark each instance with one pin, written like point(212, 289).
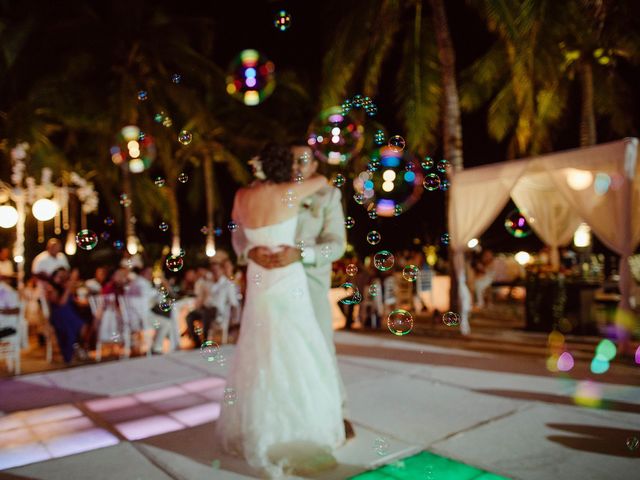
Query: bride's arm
point(308, 187)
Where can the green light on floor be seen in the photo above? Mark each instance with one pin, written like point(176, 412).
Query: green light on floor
point(427, 466)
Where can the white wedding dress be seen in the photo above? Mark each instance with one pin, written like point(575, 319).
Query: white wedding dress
point(287, 415)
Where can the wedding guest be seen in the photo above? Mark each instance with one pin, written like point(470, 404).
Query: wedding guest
point(50, 260)
point(6, 265)
point(66, 322)
point(9, 308)
point(484, 274)
point(95, 284)
point(116, 283)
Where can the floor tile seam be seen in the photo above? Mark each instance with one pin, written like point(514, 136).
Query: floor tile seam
point(524, 406)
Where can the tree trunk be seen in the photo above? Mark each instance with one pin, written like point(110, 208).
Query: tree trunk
point(174, 213)
point(451, 125)
point(587, 114)
point(208, 192)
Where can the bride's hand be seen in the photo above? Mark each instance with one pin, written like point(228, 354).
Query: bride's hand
point(286, 256)
point(262, 256)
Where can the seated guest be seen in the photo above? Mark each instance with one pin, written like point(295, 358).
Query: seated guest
point(6, 265)
point(116, 283)
point(188, 284)
point(484, 274)
point(50, 260)
point(66, 322)
point(95, 284)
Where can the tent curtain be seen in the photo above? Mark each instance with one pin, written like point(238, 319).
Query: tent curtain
point(554, 221)
point(609, 214)
point(475, 201)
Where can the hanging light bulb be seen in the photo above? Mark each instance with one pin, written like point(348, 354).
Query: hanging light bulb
point(8, 216)
point(210, 248)
point(132, 244)
point(44, 209)
point(70, 246)
point(582, 236)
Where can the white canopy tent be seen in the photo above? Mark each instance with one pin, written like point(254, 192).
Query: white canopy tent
point(558, 192)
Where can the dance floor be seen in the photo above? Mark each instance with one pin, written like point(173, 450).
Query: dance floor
point(419, 411)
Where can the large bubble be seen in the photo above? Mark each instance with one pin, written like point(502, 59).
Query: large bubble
point(251, 77)
point(335, 137)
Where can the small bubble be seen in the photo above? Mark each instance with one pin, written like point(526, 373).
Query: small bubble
point(351, 270)
point(400, 322)
point(451, 319)
point(176, 78)
point(185, 137)
point(230, 396)
point(174, 263)
point(108, 221)
point(373, 237)
point(164, 226)
point(86, 239)
point(142, 95)
point(160, 182)
point(338, 180)
point(397, 143)
point(410, 273)
point(383, 260)
point(349, 222)
point(209, 350)
point(232, 226)
point(431, 182)
point(282, 21)
point(183, 178)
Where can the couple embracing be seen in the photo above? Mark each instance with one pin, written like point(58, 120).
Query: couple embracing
point(288, 416)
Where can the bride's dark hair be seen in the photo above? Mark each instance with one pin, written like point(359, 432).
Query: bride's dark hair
point(277, 162)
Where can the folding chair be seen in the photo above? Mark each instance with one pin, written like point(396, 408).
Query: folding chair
point(109, 325)
point(10, 345)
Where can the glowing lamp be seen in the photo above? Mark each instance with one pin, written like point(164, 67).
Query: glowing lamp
point(8, 216)
point(473, 243)
point(210, 248)
point(582, 236)
point(70, 246)
point(579, 179)
point(18, 259)
point(44, 209)
point(132, 245)
point(522, 258)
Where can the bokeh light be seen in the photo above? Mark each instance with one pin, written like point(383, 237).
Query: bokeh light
point(251, 78)
point(137, 150)
point(335, 137)
point(517, 224)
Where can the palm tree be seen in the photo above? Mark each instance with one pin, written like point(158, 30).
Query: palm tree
point(542, 47)
point(366, 39)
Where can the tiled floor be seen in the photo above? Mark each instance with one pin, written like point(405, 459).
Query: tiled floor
point(154, 417)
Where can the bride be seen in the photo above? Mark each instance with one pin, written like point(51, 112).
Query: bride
point(287, 414)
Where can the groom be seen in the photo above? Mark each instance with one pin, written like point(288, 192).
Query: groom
point(321, 239)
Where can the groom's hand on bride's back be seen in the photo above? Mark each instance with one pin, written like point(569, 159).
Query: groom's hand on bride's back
point(286, 255)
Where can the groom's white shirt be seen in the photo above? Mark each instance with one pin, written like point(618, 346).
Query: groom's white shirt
point(321, 228)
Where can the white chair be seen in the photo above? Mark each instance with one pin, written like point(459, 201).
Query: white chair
point(47, 328)
point(10, 345)
point(137, 316)
point(110, 327)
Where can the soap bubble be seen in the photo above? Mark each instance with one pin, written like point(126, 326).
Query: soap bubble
point(379, 137)
point(282, 21)
point(118, 244)
point(633, 443)
point(357, 100)
point(346, 106)
point(383, 260)
point(373, 290)
point(381, 446)
point(289, 199)
point(410, 273)
point(176, 78)
point(183, 178)
point(444, 239)
point(397, 210)
point(431, 182)
point(351, 294)
point(105, 235)
point(349, 222)
point(257, 279)
point(352, 269)
point(108, 221)
point(160, 182)
point(164, 226)
point(338, 180)
point(298, 178)
point(451, 319)
point(517, 224)
point(444, 184)
point(174, 263)
point(143, 95)
point(334, 137)
point(443, 166)
point(359, 198)
point(400, 322)
point(209, 350)
point(232, 226)
point(125, 201)
point(251, 78)
point(397, 143)
point(427, 163)
point(86, 239)
point(166, 304)
point(185, 137)
point(326, 251)
point(373, 214)
point(230, 396)
point(373, 237)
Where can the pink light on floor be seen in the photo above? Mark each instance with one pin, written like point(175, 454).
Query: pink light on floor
point(198, 415)
point(206, 383)
point(148, 427)
point(82, 441)
point(161, 394)
point(111, 403)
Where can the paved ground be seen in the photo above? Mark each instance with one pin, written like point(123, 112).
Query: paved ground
point(499, 410)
